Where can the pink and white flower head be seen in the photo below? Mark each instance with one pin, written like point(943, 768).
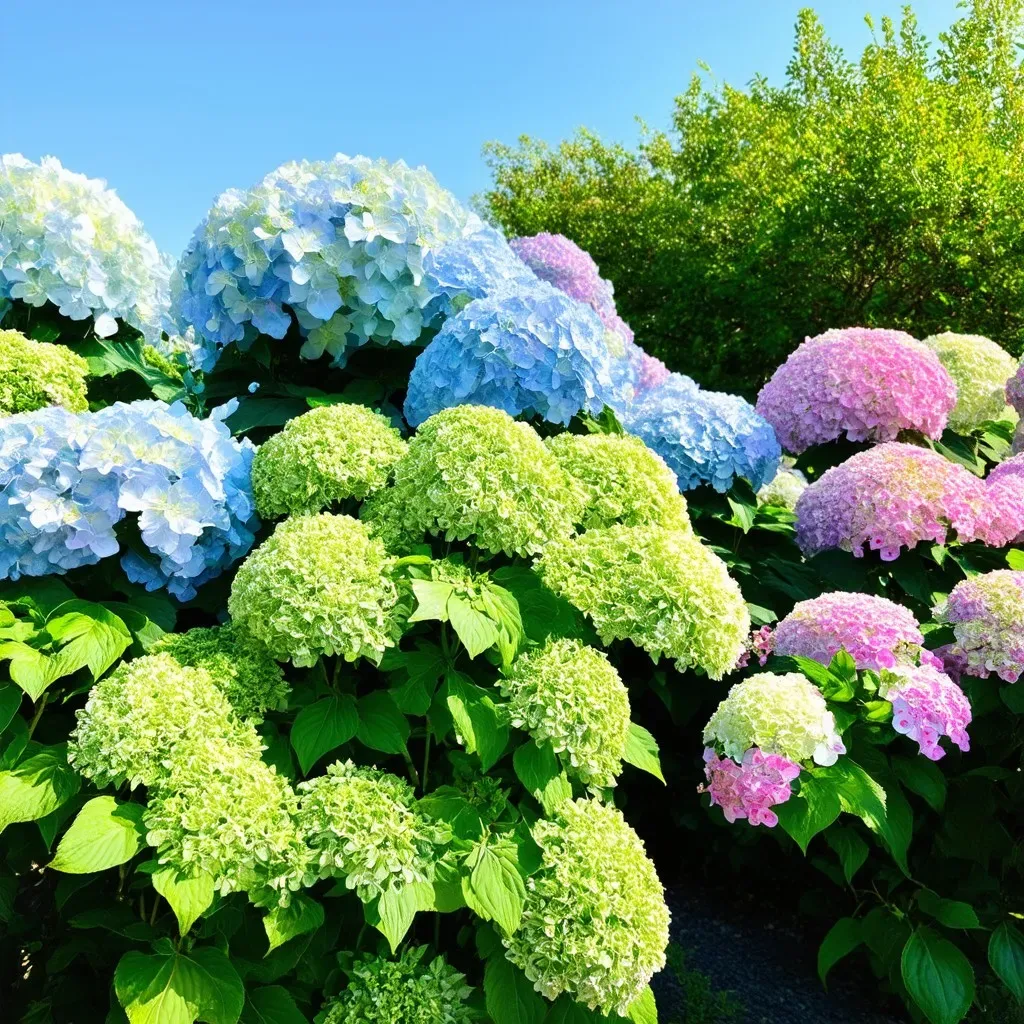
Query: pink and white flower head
point(751, 788)
point(1006, 490)
point(894, 496)
point(869, 384)
point(875, 632)
point(927, 704)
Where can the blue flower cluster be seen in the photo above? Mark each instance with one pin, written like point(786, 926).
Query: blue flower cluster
point(68, 479)
point(336, 244)
point(706, 437)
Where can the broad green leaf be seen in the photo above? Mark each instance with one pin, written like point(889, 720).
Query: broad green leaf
point(448, 804)
point(29, 668)
point(1015, 558)
point(885, 934)
point(565, 1010)
point(1013, 698)
point(431, 600)
point(37, 787)
point(392, 914)
point(849, 847)
point(172, 987)
point(538, 770)
point(189, 898)
point(642, 751)
point(90, 636)
point(494, 888)
point(264, 412)
point(271, 1004)
point(476, 719)
point(922, 777)
point(938, 977)
point(477, 631)
point(40, 595)
point(381, 725)
point(1006, 957)
point(951, 913)
point(300, 916)
point(104, 834)
point(643, 1009)
point(509, 996)
point(842, 939)
point(810, 811)
point(10, 701)
point(322, 727)
point(424, 667)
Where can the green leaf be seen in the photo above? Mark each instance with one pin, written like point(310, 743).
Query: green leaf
point(322, 727)
point(393, 913)
point(104, 834)
point(10, 701)
point(842, 939)
point(264, 412)
point(938, 977)
point(477, 631)
point(811, 810)
point(565, 1010)
point(476, 719)
point(171, 987)
point(271, 1004)
point(300, 916)
point(922, 777)
point(509, 996)
point(381, 725)
point(849, 847)
point(643, 1009)
point(538, 770)
point(90, 636)
point(1013, 698)
point(33, 671)
point(424, 667)
point(1015, 558)
point(951, 913)
point(642, 751)
point(449, 805)
point(1006, 957)
point(431, 600)
point(189, 898)
point(494, 888)
point(37, 787)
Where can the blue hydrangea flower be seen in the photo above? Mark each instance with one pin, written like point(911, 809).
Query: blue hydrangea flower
point(67, 480)
point(70, 241)
point(706, 437)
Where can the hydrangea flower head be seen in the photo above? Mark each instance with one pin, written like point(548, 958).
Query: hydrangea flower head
point(661, 589)
point(894, 496)
point(1005, 484)
point(927, 704)
point(322, 457)
point(979, 368)
point(477, 265)
point(364, 827)
point(474, 473)
point(750, 788)
point(595, 923)
point(621, 479)
point(866, 383)
point(872, 630)
point(784, 489)
point(238, 663)
point(334, 247)
point(402, 991)
point(705, 437)
point(68, 240)
point(34, 374)
point(779, 714)
point(571, 696)
point(318, 585)
point(987, 616)
point(1015, 389)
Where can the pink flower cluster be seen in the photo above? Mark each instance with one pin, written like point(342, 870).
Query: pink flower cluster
point(1015, 390)
point(1006, 488)
point(650, 372)
point(749, 789)
point(987, 615)
point(870, 629)
point(867, 383)
point(895, 496)
point(927, 704)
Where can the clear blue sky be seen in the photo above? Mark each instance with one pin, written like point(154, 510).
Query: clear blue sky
point(173, 101)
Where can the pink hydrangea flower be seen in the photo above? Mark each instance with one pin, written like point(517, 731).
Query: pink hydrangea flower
point(762, 643)
point(749, 789)
point(895, 496)
point(866, 383)
point(1006, 489)
point(650, 372)
point(1015, 390)
point(872, 630)
point(927, 704)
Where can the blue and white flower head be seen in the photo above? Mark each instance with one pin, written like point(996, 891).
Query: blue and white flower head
point(69, 240)
point(535, 352)
point(706, 437)
point(338, 245)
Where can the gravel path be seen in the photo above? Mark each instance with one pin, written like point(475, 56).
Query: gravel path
point(770, 968)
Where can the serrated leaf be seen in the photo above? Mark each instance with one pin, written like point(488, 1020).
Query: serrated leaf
point(476, 630)
point(938, 977)
point(37, 786)
point(10, 701)
point(922, 777)
point(322, 727)
point(476, 719)
point(509, 996)
point(90, 636)
point(842, 939)
point(1006, 957)
point(431, 600)
point(538, 770)
point(382, 726)
point(643, 1009)
point(494, 888)
point(850, 848)
point(189, 898)
point(103, 835)
point(392, 914)
point(951, 913)
point(642, 751)
point(300, 916)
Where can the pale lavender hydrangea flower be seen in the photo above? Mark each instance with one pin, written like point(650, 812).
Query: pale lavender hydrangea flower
point(927, 704)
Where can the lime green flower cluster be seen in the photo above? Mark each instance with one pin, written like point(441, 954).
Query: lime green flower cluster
point(136, 719)
point(403, 991)
point(660, 588)
point(595, 923)
point(239, 664)
point(571, 696)
point(980, 369)
point(322, 457)
point(362, 824)
point(783, 489)
point(621, 480)
point(474, 473)
point(34, 374)
point(318, 585)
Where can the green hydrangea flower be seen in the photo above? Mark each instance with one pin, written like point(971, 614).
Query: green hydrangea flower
point(382, 512)
point(136, 719)
point(660, 588)
point(595, 923)
point(980, 369)
point(362, 824)
point(621, 480)
point(780, 714)
point(318, 585)
point(571, 696)
point(239, 664)
point(783, 490)
point(155, 358)
point(322, 457)
point(34, 374)
point(474, 473)
point(403, 991)
point(223, 811)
